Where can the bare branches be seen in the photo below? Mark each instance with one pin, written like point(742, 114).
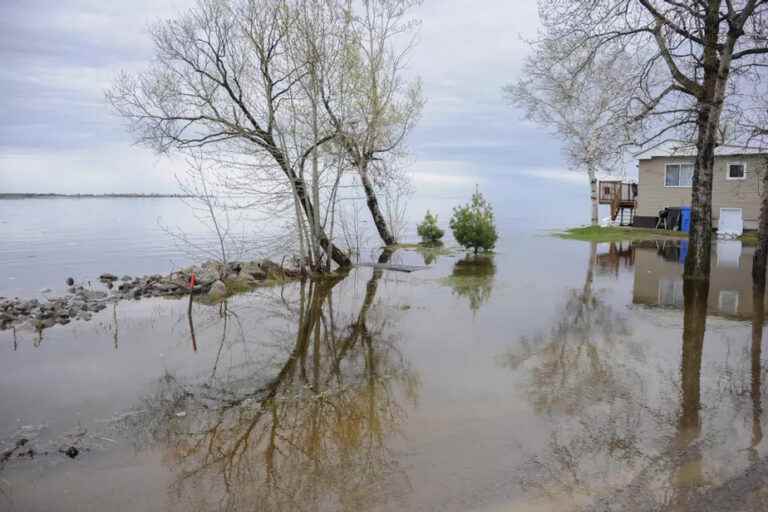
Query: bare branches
point(689, 66)
point(296, 92)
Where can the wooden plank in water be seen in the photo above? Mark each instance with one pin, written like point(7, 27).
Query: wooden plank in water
point(394, 267)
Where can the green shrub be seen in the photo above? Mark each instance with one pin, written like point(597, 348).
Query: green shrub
point(428, 230)
point(473, 226)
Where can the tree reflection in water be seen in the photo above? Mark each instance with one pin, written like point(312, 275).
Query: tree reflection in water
point(472, 279)
point(615, 446)
point(313, 435)
point(569, 366)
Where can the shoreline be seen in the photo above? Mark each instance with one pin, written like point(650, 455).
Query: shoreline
point(24, 195)
point(211, 282)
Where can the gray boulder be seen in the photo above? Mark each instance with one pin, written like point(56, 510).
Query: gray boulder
point(218, 290)
point(92, 294)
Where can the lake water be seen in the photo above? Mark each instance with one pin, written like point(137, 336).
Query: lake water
point(556, 375)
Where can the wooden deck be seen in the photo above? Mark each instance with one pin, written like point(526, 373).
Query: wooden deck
point(627, 192)
point(621, 196)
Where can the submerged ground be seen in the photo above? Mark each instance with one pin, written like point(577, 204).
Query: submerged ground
point(553, 375)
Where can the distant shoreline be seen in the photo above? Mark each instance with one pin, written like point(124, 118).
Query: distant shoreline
point(91, 196)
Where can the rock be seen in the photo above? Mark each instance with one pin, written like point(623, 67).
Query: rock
point(46, 290)
point(254, 270)
point(125, 286)
point(45, 324)
point(218, 290)
point(271, 268)
point(207, 277)
point(107, 277)
point(70, 452)
point(70, 281)
point(126, 278)
point(92, 294)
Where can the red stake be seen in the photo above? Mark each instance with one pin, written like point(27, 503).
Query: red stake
point(192, 280)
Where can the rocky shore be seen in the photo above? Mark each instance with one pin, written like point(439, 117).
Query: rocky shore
point(212, 279)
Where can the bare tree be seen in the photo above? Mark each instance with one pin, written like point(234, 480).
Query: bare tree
point(222, 81)
point(588, 114)
point(378, 107)
point(692, 62)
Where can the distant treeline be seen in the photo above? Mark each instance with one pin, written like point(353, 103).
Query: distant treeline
point(85, 196)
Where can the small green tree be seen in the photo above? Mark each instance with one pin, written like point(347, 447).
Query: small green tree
point(473, 226)
point(428, 230)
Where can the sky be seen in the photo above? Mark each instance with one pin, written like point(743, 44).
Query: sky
point(58, 134)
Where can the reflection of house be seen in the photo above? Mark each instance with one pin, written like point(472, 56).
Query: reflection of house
point(665, 181)
point(620, 255)
point(659, 278)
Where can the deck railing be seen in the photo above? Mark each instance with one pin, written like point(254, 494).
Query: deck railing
point(608, 189)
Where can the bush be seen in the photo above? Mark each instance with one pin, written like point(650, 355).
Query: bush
point(473, 225)
point(428, 230)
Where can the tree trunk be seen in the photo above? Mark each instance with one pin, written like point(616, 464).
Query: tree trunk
point(758, 320)
point(593, 195)
point(688, 474)
point(756, 360)
point(698, 261)
point(300, 189)
point(337, 255)
point(710, 99)
point(587, 291)
point(759, 261)
point(373, 207)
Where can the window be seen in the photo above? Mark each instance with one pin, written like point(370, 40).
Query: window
point(671, 292)
point(737, 171)
point(728, 302)
point(679, 175)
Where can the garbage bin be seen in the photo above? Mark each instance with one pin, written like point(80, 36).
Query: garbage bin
point(685, 219)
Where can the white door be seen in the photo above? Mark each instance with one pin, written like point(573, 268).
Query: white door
point(728, 253)
point(731, 223)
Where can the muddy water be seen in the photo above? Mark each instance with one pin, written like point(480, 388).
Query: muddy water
point(555, 375)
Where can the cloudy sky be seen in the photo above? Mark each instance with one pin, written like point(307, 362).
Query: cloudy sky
point(58, 134)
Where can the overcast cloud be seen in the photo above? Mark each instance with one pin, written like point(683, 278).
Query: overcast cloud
point(59, 56)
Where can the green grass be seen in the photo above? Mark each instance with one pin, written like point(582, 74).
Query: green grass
point(749, 238)
point(616, 234)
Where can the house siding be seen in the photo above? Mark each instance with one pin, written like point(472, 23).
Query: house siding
point(745, 194)
point(651, 271)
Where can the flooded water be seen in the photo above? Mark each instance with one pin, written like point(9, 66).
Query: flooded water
point(44, 241)
point(554, 375)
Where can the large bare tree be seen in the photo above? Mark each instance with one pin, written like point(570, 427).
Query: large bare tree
point(378, 107)
point(224, 81)
point(691, 62)
point(588, 114)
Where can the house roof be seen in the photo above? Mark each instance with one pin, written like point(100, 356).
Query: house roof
point(691, 152)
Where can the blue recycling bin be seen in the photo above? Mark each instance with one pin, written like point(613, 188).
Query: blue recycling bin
point(685, 219)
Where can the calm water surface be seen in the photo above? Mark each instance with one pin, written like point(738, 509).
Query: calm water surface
point(555, 375)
